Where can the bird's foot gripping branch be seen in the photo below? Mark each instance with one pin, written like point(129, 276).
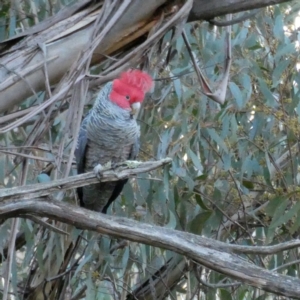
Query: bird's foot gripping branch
point(44, 189)
point(131, 164)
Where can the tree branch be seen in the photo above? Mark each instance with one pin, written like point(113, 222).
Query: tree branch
point(206, 10)
point(207, 252)
point(65, 35)
point(122, 171)
point(125, 170)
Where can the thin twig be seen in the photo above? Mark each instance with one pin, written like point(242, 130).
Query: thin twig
point(287, 265)
point(234, 21)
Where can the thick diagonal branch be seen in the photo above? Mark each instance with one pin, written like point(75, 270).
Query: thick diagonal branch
point(206, 252)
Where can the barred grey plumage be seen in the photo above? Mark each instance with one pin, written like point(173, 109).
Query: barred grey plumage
point(108, 134)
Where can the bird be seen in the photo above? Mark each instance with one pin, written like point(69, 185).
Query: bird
point(109, 134)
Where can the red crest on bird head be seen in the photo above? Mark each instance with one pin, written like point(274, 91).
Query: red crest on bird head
point(138, 79)
point(130, 88)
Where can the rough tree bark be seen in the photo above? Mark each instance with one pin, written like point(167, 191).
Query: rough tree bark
point(53, 48)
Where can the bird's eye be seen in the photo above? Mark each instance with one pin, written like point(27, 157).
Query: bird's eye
point(127, 97)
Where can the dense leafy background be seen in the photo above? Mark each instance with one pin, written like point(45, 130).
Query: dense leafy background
point(235, 170)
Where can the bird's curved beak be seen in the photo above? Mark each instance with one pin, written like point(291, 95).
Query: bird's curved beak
point(135, 108)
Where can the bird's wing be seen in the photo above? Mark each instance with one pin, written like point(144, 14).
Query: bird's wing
point(80, 153)
point(80, 150)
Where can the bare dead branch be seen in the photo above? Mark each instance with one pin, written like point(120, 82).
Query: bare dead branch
point(40, 190)
point(207, 252)
point(206, 10)
point(235, 20)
